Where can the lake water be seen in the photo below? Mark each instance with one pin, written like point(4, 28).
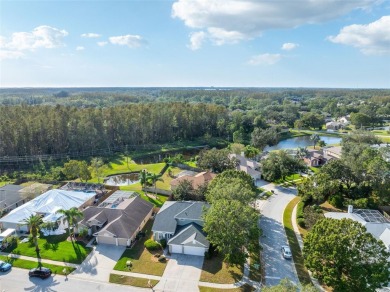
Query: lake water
point(122, 179)
point(303, 141)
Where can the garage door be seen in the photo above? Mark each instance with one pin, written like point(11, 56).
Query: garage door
point(106, 240)
point(199, 251)
point(176, 248)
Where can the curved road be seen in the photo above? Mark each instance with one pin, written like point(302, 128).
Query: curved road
point(274, 236)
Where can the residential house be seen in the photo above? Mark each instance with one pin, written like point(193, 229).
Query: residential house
point(118, 219)
point(334, 126)
point(180, 223)
point(373, 220)
point(47, 206)
point(196, 179)
point(246, 165)
point(317, 158)
point(345, 120)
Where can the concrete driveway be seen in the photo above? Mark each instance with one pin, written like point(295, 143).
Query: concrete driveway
point(181, 274)
point(99, 263)
point(274, 236)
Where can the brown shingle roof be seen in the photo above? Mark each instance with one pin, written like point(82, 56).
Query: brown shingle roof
point(197, 180)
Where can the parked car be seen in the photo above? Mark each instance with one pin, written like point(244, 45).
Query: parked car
point(41, 272)
point(286, 252)
point(5, 266)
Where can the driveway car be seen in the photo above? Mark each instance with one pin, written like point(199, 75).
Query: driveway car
point(5, 266)
point(41, 272)
point(286, 252)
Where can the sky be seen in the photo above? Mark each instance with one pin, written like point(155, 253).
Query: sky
point(184, 43)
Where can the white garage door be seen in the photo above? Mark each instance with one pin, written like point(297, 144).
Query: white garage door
point(106, 240)
point(176, 249)
point(199, 251)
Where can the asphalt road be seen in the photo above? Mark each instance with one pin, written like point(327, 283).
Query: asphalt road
point(17, 280)
point(274, 236)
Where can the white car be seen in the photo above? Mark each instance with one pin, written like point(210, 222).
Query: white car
point(286, 252)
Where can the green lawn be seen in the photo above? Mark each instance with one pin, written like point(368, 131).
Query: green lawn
point(165, 184)
point(141, 259)
point(289, 178)
point(55, 248)
point(303, 274)
point(214, 270)
point(314, 169)
point(25, 264)
point(132, 281)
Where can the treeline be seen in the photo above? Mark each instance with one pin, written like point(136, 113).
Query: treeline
point(35, 130)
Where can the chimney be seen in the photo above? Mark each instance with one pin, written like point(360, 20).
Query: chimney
point(350, 209)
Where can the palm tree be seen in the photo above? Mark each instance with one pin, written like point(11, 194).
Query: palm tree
point(302, 152)
point(315, 138)
point(34, 223)
point(154, 178)
point(143, 177)
point(71, 216)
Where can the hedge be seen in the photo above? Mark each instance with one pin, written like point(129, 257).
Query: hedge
point(300, 213)
point(150, 244)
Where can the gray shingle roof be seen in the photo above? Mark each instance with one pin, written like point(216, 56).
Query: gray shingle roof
point(123, 223)
point(190, 235)
point(165, 220)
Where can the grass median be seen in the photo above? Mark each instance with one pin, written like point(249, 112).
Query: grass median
point(303, 274)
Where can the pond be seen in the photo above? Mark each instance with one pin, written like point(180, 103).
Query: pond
point(303, 141)
point(122, 179)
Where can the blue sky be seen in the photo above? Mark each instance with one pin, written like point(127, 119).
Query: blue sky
point(278, 43)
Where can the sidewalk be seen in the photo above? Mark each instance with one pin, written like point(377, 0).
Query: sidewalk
point(17, 256)
point(136, 275)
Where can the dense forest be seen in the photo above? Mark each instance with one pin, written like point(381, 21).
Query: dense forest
point(52, 120)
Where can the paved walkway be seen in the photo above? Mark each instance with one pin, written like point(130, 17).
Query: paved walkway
point(182, 273)
point(17, 256)
point(99, 263)
point(136, 275)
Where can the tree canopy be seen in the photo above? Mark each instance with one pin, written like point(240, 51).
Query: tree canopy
point(344, 256)
point(215, 160)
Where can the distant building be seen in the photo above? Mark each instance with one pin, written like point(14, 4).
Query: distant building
point(196, 179)
point(246, 165)
point(345, 120)
point(334, 126)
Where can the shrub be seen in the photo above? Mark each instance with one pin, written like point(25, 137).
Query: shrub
point(336, 201)
point(301, 206)
point(150, 244)
point(163, 243)
point(301, 222)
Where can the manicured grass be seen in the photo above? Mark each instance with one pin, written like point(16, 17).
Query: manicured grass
point(289, 178)
point(25, 264)
point(303, 274)
point(314, 169)
point(214, 270)
point(141, 259)
point(56, 248)
point(244, 288)
point(165, 184)
point(132, 281)
point(137, 188)
point(385, 139)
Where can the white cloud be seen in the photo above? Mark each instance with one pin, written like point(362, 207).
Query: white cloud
point(132, 41)
point(91, 35)
point(80, 48)
point(102, 44)
point(372, 38)
point(5, 54)
point(41, 37)
point(196, 40)
point(289, 46)
point(230, 21)
point(265, 59)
